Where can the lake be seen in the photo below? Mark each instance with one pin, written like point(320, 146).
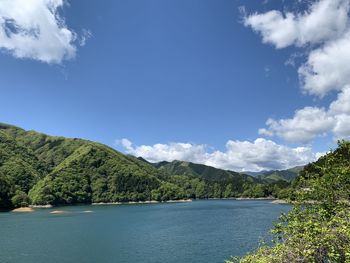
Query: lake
point(195, 232)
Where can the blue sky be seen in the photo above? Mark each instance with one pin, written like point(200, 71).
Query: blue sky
point(186, 79)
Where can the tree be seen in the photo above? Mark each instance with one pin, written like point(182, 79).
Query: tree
point(318, 227)
point(228, 191)
point(5, 191)
point(201, 190)
point(20, 199)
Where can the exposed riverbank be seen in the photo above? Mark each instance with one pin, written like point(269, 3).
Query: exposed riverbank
point(23, 210)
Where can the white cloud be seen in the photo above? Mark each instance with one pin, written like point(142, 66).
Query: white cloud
point(126, 144)
point(84, 37)
point(325, 29)
point(33, 29)
point(341, 129)
point(166, 152)
point(342, 104)
point(325, 23)
point(327, 68)
point(259, 155)
point(305, 125)
point(310, 122)
point(325, 19)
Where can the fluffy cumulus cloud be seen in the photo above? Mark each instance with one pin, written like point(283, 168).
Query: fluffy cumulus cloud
point(34, 29)
point(262, 154)
point(327, 68)
point(311, 122)
point(324, 31)
point(326, 19)
point(166, 152)
point(303, 127)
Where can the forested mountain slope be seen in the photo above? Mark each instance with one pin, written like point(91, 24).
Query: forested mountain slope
point(286, 175)
point(39, 169)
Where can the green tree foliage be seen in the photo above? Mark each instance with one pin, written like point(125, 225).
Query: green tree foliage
point(168, 191)
point(20, 199)
point(318, 227)
point(5, 191)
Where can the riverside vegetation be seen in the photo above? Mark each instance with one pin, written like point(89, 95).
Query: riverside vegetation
point(39, 169)
point(318, 227)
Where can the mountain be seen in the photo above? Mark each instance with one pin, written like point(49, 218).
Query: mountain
point(239, 183)
point(218, 178)
point(36, 168)
point(216, 174)
point(202, 171)
point(220, 183)
point(285, 175)
point(256, 174)
point(58, 170)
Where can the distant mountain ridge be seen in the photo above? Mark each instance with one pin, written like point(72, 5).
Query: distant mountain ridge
point(276, 175)
point(209, 172)
point(199, 170)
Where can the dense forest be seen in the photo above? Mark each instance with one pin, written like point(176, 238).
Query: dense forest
point(39, 169)
point(318, 227)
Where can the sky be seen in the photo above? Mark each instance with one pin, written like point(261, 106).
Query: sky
point(235, 84)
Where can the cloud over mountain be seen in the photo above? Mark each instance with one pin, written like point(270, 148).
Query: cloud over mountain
point(258, 155)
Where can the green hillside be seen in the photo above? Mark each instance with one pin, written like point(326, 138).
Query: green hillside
point(39, 169)
point(210, 174)
point(56, 170)
point(285, 175)
point(224, 183)
point(202, 171)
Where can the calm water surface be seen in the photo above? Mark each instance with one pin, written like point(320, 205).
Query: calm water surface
point(197, 232)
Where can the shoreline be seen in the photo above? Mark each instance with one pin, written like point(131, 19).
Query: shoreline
point(257, 198)
point(32, 208)
point(279, 202)
point(23, 210)
point(40, 206)
point(272, 200)
point(144, 202)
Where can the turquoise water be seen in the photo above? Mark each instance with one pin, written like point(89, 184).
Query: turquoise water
point(196, 232)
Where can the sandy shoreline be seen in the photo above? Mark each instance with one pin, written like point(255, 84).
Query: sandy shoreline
point(23, 210)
